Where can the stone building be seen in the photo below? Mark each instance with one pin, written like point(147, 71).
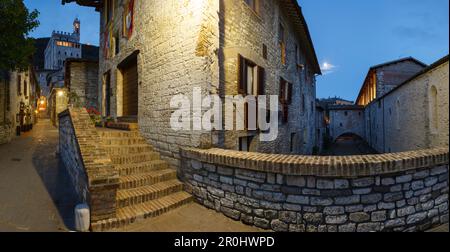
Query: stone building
point(384, 77)
point(5, 124)
point(154, 50)
point(18, 97)
point(321, 128)
point(63, 45)
point(413, 115)
point(402, 106)
point(81, 79)
point(346, 119)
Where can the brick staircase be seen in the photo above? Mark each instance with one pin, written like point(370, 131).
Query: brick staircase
point(148, 187)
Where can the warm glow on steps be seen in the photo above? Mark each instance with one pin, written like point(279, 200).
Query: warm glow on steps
point(147, 187)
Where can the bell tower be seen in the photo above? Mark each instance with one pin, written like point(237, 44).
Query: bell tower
point(76, 28)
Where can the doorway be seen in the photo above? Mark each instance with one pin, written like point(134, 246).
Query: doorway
point(130, 97)
point(107, 92)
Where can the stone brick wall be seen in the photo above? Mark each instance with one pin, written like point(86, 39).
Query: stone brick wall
point(247, 38)
point(346, 119)
point(187, 44)
point(4, 114)
point(389, 192)
point(390, 76)
point(83, 81)
point(402, 119)
point(88, 164)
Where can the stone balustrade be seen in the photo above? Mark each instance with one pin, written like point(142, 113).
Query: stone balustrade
point(388, 192)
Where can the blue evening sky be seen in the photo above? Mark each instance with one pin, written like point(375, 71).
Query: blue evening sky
point(349, 35)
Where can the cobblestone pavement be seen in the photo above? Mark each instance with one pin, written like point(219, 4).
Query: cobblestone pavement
point(35, 194)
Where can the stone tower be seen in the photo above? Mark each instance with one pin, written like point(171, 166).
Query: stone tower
point(76, 28)
point(63, 45)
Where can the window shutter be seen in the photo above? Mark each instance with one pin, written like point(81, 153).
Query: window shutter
point(282, 90)
point(289, 93)
point(241, 75)
point(261, 81)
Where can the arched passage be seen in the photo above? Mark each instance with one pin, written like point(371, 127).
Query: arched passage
point(350, 143)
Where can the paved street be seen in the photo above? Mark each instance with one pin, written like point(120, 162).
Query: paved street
point(35, 194)
point(349, 146)
point(191, 218)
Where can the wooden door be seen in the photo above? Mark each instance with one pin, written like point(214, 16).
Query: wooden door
point(130, 90)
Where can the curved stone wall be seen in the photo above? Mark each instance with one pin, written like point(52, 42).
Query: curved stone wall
point(389, 192)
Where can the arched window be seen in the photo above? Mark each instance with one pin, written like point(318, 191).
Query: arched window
point(434, 117)
point(397, 117)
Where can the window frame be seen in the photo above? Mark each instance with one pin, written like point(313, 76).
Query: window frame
point(243, 64)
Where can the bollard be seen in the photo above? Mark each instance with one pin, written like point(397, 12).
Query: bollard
point(82, 218)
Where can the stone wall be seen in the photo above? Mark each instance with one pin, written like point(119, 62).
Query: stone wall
point(88, 164)
point(83, 81)
point(390, 76)
point(389, 192)
point(187, 44)
point(5, 131)
point(402, 120)
point(345, 120)
point(247, 38)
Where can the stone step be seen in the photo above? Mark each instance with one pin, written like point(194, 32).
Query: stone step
point(118, 133)
point(128, 149)
point(132, 214)
point(139, 168)
point(140, 195)
point(135, 158)
point(123, 140)
point(146, 179)
point(122, 126)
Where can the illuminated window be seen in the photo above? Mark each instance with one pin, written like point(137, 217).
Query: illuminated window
point(282, 40)
point(19, 85)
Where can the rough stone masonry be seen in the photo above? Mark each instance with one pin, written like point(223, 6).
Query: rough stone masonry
point(392, 192)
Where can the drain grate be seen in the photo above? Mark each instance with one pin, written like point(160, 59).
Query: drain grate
point(16, 159)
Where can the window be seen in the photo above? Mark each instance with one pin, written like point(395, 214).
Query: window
point(346, 113)
point(254, 5)
point(25, 88)
point(303, 103)
point(285, 92)
point(8, 96)
point(19, 84)
point(244, 143)
point(251, 78)
point(264, 51)
point(285, 98)
point(282, 41)
point(117, 43)
point(109, 10)
point(293, 142)
point(397, 117)
point(434, 112)
point(251, 81)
